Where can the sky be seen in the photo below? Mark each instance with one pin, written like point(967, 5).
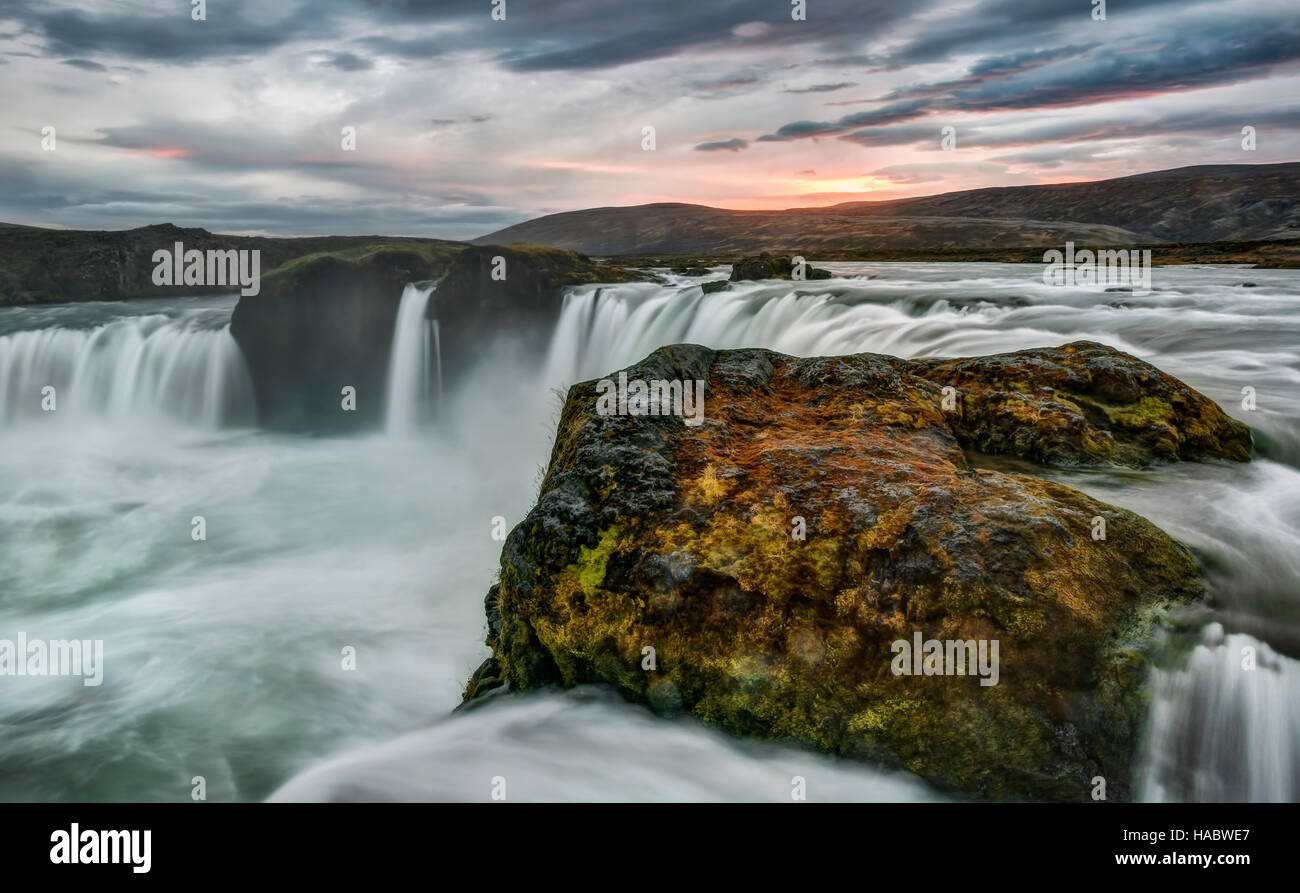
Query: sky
point(471, 115)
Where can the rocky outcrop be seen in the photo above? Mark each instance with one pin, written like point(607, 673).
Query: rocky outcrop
point(825, 510)
point(768, 266)
point(325, 322)
point(515, 292)
point(45, 265)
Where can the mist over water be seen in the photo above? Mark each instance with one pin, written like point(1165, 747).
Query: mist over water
point(222, 657)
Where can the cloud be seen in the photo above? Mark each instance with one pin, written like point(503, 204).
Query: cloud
point(85, 64)
point(798, 130)
point(751, 29)
point(240, 29)
point(889, 114)
point(350, 62)
point(240, 115)
point(734, 144)
point(822, 88)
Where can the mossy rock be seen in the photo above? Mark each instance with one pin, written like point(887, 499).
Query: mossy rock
point(1083, 403)
point(652, 533)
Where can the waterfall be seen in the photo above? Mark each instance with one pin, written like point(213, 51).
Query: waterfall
point(134, 369)
point(1218, 731)
point(409, 361)
point(606, 328)
point(437, 359)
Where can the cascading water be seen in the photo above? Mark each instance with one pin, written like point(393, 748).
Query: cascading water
point(1245, 695)
point(409, 363)
point(437, 360)
point(153, 367)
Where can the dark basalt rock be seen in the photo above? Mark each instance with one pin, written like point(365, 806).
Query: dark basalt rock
point(474, 307)
point(769, 266)
point(321, 324)
point(650, 533)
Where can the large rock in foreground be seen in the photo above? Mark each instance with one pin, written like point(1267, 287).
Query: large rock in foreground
point(649, 533)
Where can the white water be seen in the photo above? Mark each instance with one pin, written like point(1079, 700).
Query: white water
point(410, 372)
point(586, 745)
point(1255, 754)
point(155, 367)
point(223, 656)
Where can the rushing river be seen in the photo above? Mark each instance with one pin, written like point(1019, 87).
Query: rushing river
point(224, 657)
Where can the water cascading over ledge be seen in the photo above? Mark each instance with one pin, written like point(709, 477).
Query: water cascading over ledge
point(413, 362)
point(170, 370)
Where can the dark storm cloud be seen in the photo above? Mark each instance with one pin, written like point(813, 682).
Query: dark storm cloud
point(889, 114)
point(573, 35)
point(1205, 123)
point(85, 64)
point(733, 145)
point(1218, 53)
point(593, 34)
point(416, 48)
point(1211, 51)
point(149, 35)
point(1010, 24)
point(349, 62)
point(988, 68)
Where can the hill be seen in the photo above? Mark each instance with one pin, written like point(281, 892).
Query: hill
point(1208, 203)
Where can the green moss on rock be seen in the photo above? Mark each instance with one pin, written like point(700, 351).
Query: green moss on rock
point(648, 532)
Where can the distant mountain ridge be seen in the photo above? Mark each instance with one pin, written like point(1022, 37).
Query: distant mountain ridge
point(1204, 203)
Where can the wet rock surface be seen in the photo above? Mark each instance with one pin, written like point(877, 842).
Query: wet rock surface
point(823, 511)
